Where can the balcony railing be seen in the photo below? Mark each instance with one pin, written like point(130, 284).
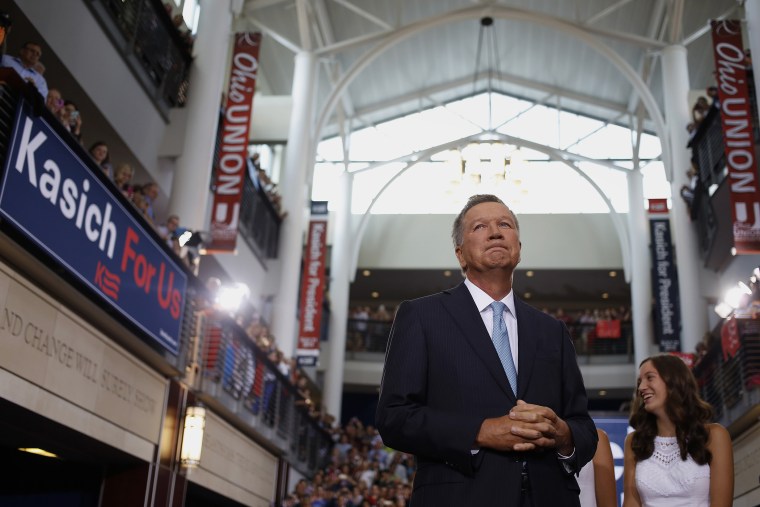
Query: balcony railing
point(235, 372)
point(259, 221)
point(707, 149)
point(151, 45)
point(367, 339)
point(710, 208)
point(731, 384)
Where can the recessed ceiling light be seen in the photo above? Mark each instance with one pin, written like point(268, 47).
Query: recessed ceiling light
point(38, 451)
point(447, 273)
point(527, 295)
point(613, 274)
point(375, 294)
point(366, 272)
point(605, 296)
point(602, 393)
point(529, 274)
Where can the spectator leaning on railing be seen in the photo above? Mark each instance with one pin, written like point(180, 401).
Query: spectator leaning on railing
point(29, 55)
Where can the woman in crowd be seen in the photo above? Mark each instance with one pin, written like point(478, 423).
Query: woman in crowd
point(99, 153)
point(597, 477)
point(71, 119)
point(675, 457)
point(122, 178)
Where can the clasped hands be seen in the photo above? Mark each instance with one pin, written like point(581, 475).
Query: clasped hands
point(525, 428)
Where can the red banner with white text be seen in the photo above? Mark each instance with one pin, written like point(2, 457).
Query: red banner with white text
point(312, 287)
point(736, 118)
point(233, 150)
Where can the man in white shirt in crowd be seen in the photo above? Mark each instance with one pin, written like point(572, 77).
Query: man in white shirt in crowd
point(24, 65)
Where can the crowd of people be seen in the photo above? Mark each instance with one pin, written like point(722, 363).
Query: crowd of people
point(262, 179)
point(143, 196)
point(368, 327)
point(361, 472)
point(693, 190)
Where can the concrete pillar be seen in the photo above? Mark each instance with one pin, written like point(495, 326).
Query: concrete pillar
point(340, 280)
point(641, 277)
point(294, 187)
point(677, 114)
point(189, 193)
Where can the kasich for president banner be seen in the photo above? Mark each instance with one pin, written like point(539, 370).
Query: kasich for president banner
point(54, 199)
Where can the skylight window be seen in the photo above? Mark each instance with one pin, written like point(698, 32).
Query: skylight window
point(538, 184)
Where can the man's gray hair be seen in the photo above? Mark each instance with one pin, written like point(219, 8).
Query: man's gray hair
point(457, 231)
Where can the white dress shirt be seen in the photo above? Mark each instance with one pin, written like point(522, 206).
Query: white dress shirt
point(483, 302)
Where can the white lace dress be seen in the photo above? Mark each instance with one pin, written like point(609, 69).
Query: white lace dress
point(665, 480)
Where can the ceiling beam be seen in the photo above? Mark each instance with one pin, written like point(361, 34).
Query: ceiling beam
point(706, 27)
point(425, 154)
point(416, 95)
point(606, 11)
point(630, 38)
point(366, 15)
point(281, 39)
point(252, 5)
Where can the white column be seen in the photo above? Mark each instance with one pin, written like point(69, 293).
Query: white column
point(340, 280)
point(752, 15)
point(293, 187)
point(641, 278)
point(677, 114)
point(189, 193)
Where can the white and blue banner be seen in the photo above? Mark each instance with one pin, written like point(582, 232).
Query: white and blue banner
point(50, 195)
point(617, 429)
point(667, 308)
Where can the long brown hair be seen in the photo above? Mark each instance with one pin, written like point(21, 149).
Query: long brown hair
point(685, 408)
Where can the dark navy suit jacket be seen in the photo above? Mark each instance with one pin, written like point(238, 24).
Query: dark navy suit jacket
point(442, 378)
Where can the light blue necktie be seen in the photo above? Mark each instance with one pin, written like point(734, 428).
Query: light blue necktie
point(500, 338)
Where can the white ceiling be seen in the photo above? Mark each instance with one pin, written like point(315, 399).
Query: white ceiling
point(425, 51)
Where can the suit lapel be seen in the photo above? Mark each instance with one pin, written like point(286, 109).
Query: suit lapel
point(526, 350)
point(468, 319)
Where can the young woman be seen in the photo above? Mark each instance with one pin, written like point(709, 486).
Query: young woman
point(675, 457)
point(99, 153)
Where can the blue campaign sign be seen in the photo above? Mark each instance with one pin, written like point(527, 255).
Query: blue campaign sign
point(54, 199)
point(616, 428)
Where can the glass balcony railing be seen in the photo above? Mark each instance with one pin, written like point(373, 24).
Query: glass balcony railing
point(235, 372)
point(151, 46)
point(729, 376)
point(367, 339)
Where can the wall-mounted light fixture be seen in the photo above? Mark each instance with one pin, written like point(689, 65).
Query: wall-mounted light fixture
point(737, 296)
point(231, 297)
point(192, 436)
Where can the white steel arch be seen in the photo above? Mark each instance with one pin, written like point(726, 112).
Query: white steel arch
point(555, 155)
point(510, 13)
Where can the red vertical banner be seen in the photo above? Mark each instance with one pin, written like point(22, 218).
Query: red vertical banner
point(233, 152)
point(312, 286)
point(736, 119)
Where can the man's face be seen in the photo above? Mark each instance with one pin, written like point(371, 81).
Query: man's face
point(490, 240)
point(172, 224)
point(152, 192)
point(30, 54)
point(54, 100)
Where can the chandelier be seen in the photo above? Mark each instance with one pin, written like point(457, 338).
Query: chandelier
point(488, 160)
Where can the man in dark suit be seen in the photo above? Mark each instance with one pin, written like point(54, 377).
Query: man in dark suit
point(452, 363)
